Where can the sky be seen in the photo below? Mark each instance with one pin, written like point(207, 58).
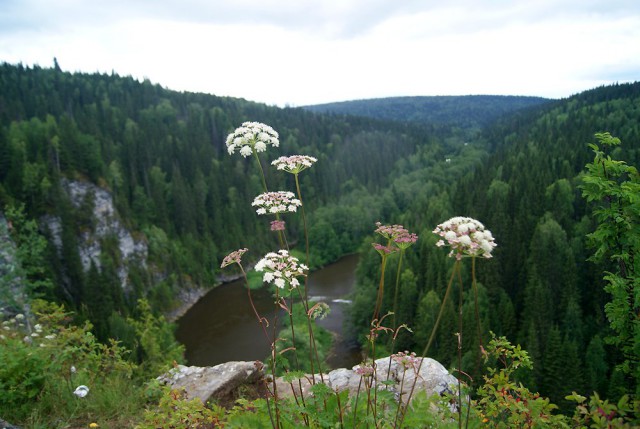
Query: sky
point(301, 52)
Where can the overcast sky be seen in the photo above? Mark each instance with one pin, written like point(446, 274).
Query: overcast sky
point(298, 52)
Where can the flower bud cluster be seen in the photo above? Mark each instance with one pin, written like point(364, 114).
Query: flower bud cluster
point(466, 236)
point(250, 136)
point(364, 370)
point(294, 164)
point(281, 269)
point(395, 234)
point(276, 202)
point(233, 257)
point(407, 360)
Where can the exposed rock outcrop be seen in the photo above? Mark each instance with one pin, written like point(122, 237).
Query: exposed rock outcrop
point(105, 223)
point(13, 297)
point(222, 382)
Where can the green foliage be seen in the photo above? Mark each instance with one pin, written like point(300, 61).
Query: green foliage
point(614, 189)
point(46, 359)
point(175, 412)
point(599, 413)
point(157, 347)
point(31, 253)
point(504, 403)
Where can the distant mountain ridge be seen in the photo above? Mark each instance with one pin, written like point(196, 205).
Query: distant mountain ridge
point(467, 111)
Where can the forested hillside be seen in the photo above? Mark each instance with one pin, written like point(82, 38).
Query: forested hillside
point(162, 156)
point(539, 289)
point(467, 111)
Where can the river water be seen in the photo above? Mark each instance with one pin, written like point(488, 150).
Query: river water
point(222, 327)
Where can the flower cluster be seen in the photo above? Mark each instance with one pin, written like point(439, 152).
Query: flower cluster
point(281, 269)
point(364, 370)
point(276, 202)
point(294, 164)
point(277, 225)
point(250, 136)
point(397, 234)
point(407, 360)
point(233, 257)
point(384, 250)
point(466, 236)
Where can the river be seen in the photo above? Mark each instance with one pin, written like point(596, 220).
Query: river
point(222, 327)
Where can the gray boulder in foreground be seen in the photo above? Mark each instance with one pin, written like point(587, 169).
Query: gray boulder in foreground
point(222, 382)
point(209, 383)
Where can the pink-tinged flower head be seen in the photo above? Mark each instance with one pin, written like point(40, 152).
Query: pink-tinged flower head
point(398, 234)
point(466, 237)
point(364, 370)
point(281, 269)
point(276, 202)
point(407, 360)
point(251, 136)
point(384, 250)
point(233, 258)
point(277, 225)
point(390, 231)
point(294, 164)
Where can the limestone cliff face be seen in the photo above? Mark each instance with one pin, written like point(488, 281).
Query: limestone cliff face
point(13, 297)
point(105, 223)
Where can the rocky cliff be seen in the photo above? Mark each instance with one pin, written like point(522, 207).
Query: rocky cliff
point(105, 223)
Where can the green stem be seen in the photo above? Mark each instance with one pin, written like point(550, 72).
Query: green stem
point(456, 268)
point(264, 180)
point(460, 352)
point(395, 294)
point(477, 311)
point(306, 231)
point(380, 290)
point(264, 329)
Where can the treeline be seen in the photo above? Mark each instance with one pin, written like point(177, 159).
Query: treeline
point(467, 111)
point(539, 289)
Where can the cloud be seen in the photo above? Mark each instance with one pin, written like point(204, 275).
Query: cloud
point(304, 52)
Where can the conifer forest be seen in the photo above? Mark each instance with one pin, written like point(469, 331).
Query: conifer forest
point(554, 181)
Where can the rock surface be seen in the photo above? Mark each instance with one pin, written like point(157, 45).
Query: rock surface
point(222, 382)
point(106, 223)
point(213, 382)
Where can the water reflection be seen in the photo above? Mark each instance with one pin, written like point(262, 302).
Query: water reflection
point(222, 327)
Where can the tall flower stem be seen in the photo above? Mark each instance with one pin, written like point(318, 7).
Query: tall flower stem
point(262, 321)
point(460, 351)
point(456, 268)
point(305, 300)
point(395, 294)
point(281, 239)
point(475, 292)
point(376, 311)
point(262, 176)
point(306, 231)
point(295, 355)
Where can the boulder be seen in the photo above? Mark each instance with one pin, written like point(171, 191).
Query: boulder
point(428, 374)
point(222, 382)
point(215, 382)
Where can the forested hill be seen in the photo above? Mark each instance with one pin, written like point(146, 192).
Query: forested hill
point(539, 289)
point(469, 111)
point(162, 156)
